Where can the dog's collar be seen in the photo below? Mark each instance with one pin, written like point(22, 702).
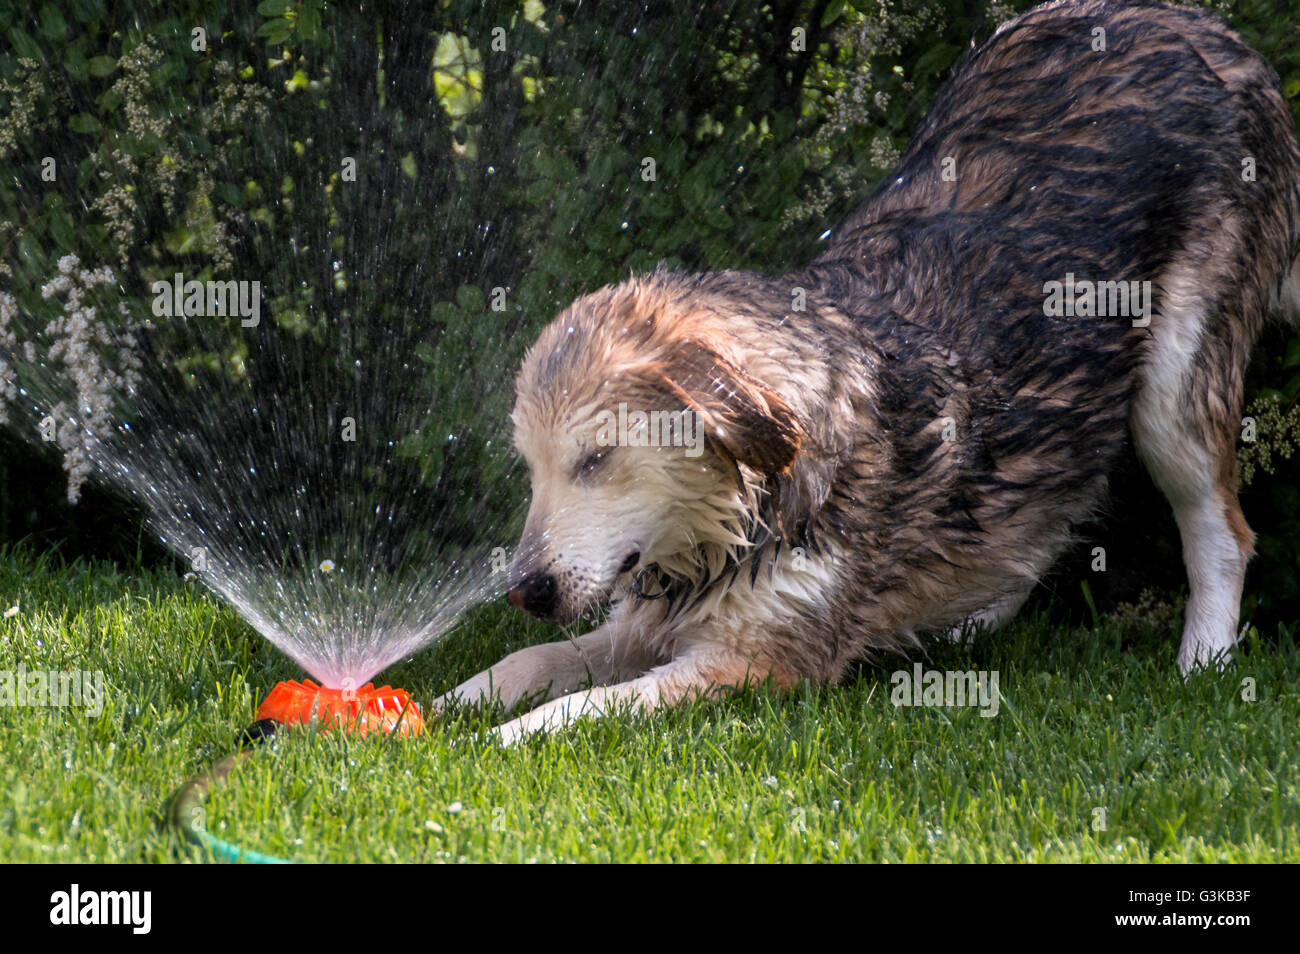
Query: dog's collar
point(648, 573)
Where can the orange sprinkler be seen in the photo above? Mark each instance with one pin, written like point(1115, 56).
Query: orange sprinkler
point(353, 710)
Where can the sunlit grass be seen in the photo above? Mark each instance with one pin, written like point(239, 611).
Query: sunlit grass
point(1090, 728)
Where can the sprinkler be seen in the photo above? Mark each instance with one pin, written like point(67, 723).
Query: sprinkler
point(354, 710)
point(360, 711)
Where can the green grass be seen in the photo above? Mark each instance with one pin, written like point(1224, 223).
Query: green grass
point(1184, 772)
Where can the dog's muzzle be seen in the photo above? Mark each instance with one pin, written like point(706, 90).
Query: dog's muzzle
point(536, 594)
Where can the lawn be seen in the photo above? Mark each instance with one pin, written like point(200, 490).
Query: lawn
point(1098, 752)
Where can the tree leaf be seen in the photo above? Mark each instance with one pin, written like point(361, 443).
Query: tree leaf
point(470, 298)
point(101, 65)
point(83, 123)
point(309, 22)
point(833, 12)
point(229, 193)
point(74, 61)
point(275, 31)
point(52, 23)
point(24, 45)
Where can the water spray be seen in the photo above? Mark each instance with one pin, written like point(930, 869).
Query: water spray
point(308, 411)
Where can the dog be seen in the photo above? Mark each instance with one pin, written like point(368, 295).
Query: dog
point(1081, 243)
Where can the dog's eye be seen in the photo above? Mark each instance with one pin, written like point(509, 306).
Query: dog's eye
point(593, 461)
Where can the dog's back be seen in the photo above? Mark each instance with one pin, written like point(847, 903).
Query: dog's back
point(1102, 129)
point(1169, 146)
point(1105, 146)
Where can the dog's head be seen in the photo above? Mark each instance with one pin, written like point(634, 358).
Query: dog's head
point(644, 441)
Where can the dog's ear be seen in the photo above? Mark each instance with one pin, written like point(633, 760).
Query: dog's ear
point(795, 497)
point(745, 419)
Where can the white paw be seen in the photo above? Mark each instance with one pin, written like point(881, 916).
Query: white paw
point(638, 694)
point(553, 715)
point(474, 691)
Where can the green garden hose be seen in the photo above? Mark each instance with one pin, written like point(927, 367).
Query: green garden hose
point(186, 806)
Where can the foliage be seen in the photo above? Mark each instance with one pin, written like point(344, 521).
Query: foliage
point(498, 145)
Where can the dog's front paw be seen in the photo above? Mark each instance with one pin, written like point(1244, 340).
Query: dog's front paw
point(638, 695)
point(553, 715)
point(478, 690)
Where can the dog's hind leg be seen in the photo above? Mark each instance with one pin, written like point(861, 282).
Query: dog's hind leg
point(1185, 421)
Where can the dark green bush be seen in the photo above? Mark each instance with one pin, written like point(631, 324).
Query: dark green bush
point(498, 145)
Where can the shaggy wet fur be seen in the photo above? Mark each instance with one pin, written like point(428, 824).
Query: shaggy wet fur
point(900, 438)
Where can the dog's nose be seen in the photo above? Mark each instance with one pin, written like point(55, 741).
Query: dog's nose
point(534, 594)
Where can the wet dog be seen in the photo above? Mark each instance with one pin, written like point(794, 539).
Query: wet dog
point(769, 478)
